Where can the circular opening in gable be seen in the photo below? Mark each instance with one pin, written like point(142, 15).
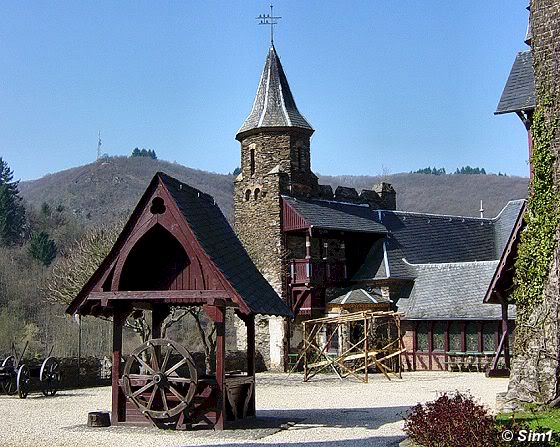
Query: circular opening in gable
point(158, 206)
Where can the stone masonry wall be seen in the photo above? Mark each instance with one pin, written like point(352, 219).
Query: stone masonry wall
point(257, 211)
point(536, 365)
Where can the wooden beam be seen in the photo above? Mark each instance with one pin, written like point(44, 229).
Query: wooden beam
point(167, 296)
point(505, 331)
point(220, 322)
point(118, 397)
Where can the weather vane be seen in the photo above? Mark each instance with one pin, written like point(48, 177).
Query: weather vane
point(269, 19)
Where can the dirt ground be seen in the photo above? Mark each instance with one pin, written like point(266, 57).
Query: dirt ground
point(322, 413)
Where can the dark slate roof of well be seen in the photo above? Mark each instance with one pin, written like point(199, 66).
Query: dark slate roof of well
point(274, 104)
point(217, 238)
point(332, 215)
point(361, 296)
point(432, 238)
point(519, 92)
point(451, 291)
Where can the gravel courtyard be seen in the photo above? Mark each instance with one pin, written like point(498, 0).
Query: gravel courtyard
point(326, 413)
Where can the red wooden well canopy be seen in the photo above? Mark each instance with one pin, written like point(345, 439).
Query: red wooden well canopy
point(177, 249)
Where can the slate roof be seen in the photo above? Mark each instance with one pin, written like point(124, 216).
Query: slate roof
point(504, 224)
point(217, 239)
point(519, 92)
point(221, 244)
point(451, 291)
point(331, 215)
point(361, 296)
point(274, 104)
point(434, 239)
point(502, 282)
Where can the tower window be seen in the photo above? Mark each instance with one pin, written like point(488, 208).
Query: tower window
point(247, 195)
point(299, 163)
point(252, 154)
point(257, 192)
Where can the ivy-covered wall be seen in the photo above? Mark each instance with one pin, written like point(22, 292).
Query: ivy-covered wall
point(536, 364)
point(538, 241)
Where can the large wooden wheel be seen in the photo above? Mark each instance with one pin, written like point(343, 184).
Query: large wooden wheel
point(9, 384)
point(23, 379)
point(49, 376)
point(160, 378)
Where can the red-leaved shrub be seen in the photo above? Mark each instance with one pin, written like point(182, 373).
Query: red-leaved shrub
point(451, 421)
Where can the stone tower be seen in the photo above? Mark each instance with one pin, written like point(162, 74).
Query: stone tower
point(275, 160)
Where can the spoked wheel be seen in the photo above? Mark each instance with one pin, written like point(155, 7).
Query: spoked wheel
point(160, 378)
point(49, 376)
point(9, 385)
point(23, 379)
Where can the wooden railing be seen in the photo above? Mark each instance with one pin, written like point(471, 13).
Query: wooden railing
point(310, 271)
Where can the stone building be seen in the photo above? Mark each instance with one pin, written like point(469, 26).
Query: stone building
point(314, 245)
point(533, 88)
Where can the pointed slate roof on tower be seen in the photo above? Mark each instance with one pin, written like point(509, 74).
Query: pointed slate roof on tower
point(274, 104)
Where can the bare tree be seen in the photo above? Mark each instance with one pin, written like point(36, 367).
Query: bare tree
point(207, 335)
point(74, 268)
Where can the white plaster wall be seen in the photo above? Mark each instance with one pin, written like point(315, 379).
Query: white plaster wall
point(277, 340)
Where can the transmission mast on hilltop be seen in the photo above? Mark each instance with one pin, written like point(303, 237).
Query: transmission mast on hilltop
point(98, 145)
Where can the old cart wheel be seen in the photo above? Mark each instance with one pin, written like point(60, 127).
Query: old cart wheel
point(160, 378)
point(49, 376)
point(23, 381)
point(9, 385)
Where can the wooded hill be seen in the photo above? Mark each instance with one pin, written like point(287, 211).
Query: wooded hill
point(108, 189)
point(60, 207)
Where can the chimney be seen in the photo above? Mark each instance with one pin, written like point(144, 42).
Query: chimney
point(387, 195)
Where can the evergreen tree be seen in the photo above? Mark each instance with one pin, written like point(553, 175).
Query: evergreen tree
point(45, 209)
point(431, 171)
point(150, 153)
point(42, 248)
point(236, 171)
point(468, 170)
point(12, 212)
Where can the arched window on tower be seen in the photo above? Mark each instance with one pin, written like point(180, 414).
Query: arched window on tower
point(252, 155)
point(257, 192)
point(247, 195)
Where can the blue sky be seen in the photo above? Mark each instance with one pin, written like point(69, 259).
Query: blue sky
point(389, 86)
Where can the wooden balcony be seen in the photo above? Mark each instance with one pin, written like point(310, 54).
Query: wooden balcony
point(316, 272)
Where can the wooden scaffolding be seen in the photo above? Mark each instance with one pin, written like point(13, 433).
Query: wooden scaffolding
point(352, 344)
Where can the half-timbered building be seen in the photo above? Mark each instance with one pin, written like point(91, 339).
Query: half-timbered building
point(313, 244)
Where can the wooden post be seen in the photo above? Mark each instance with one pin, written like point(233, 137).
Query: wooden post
point(219, 321)
point(401, 344)
point(414, 345)
point(505, 331)
point(305, 345)
point(446, 344)
point(366, 348)
point(118, 398)
point(430, 343)
point(463, 336)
